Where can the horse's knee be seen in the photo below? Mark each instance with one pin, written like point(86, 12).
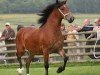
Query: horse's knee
point(66, 58)
point(20, 54)
point(46, 65)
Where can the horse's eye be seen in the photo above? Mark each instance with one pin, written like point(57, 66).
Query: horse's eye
point(62, 8)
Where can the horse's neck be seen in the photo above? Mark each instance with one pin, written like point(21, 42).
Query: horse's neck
point(54, 21)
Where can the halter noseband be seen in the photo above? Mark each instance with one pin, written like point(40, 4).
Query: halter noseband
point(63, 13)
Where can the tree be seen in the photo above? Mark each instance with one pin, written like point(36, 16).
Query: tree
point(30, 6)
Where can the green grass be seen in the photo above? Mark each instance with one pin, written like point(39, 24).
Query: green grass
point(28, 19)
point(73, 68)
point(77, 70)
point(40, 65)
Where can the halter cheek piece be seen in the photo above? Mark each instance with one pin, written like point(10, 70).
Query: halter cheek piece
point(64, 14)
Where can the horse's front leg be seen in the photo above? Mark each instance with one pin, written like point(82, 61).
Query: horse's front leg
point(28, 61)
point(46, 61)
point(62, 68)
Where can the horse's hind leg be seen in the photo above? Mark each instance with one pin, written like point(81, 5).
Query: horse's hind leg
point(46, 61)
point(28, 61)
point(62, 68)
point(19, 54)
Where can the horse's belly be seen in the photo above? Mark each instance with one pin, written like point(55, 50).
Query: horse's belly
point(57, 46)
point(35, 51)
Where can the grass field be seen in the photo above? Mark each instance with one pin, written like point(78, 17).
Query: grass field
point(77, 70)
point(29, 19)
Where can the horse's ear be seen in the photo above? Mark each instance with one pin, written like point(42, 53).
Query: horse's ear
point(65, 1)
point(57, 1)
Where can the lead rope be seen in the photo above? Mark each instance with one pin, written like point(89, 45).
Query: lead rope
point(98, 38)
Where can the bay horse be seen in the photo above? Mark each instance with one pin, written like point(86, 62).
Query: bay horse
point(46, 39)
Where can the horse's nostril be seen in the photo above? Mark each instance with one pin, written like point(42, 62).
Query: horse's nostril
point(71, 20)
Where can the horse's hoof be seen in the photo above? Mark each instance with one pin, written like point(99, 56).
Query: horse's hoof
point(60, 69)
point(20, 71)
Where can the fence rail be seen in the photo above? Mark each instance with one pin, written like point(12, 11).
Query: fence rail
point(65, 47)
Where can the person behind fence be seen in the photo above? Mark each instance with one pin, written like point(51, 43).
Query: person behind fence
point(63, 30)
point(2, 55)
point(96, 28)
point(72, 37)
point(99, 21)
point(7, 35)
point(87, 27)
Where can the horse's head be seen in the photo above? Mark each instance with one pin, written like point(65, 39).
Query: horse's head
point(59, 8)
point(64, 11)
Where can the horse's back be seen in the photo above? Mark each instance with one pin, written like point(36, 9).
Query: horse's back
point(25, 33)
point(26, 30)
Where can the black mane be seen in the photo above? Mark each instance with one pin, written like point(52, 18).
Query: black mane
point(47, 11)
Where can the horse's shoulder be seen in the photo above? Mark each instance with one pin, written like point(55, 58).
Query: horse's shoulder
point(27, 29)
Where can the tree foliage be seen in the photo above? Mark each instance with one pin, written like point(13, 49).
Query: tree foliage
point(30, 6)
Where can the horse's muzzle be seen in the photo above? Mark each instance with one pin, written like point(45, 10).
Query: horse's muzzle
point(70, 19)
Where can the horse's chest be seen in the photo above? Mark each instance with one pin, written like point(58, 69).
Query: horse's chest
point(57, 43)
point(57, 46)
